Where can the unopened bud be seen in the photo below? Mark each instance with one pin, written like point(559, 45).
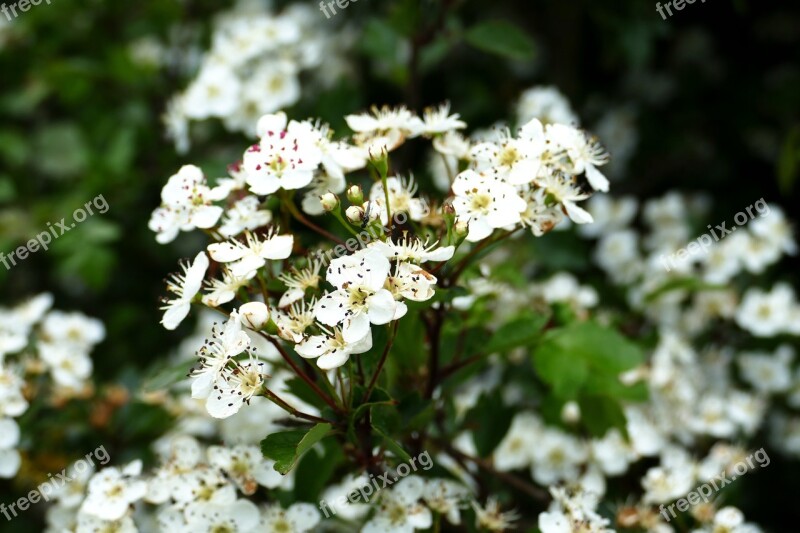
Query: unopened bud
point(379, 159)
point(462, 227)
point(329, 201)
point(254, 315)
point(570, 413)
point(355, 195)
point(355, 214)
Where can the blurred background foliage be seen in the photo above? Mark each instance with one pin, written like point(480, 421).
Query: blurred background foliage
point(713, 94)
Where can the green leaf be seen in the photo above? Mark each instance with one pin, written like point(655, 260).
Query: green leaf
point(287, 447)
point(392, 445)
point(166, 377)
point(519, 332)
point(501, 38)
point(789, 161)
point(491, 419)
point(689, 284)
point(569, 356)
point(601, 413)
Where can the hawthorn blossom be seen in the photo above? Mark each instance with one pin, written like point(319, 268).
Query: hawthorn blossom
point(487, 203)
point(330, 349)
point(185, 286)
point(285, 158)
point(245, 258)
point(360, 297)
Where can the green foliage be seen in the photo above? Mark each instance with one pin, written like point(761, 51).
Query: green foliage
point(502, 38)
point(287, 447)
point(583, 361)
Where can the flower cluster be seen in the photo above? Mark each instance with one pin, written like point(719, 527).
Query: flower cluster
point(254, 67)
point(35, 340)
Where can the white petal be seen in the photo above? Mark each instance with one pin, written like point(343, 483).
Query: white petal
point(596, 179)
point(278, 247)
point(382, 307)
point(226, 252)
point(356, 328)
point(332, 308)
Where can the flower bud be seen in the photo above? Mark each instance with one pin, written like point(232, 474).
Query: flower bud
point(254, 315)
point(379, 159)
point(355, 214)
point(461, 228)
point(571, 413)
point(355, 195)
point(329, 201)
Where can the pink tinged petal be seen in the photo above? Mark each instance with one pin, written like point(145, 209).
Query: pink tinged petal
point(596, 179)
point(333, 360)
point(206, 216)
point(174, 315)
point(278, 247)
point(274, 123)
point(332, 308)
point(382, 307)
point(312, 347)
point(356, 328)
point(226, 252)
point(577, 214)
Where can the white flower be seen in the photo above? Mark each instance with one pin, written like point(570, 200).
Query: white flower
point(246, 466)
point(566, 192)
point(10, 460)
point(241, 515)
point(330, 348)
point(514, 451)
point(385, 128)
point(215, 355)
point(768, 373)
point(112, 491)
point(360, 297)
point(764, 314)
point(401, 199)
point(585, 154)
point(74, 330)
point(513, 160)
point(69, 367)
point(213, 94)
point(223, 290)
point(298, 281)
point(235, 387)
point(486, 203)
point(437, 121)
point(186, 204)
point(411, 282)
point(446, 497)
point(399, 510)
point(294, 320)
point(12, 401)
point(413, 250)
point(244, 215)
point(492, 518)
point(547, 104)
point(185, 287)
point(556, 457)
point(298, 518)
point(247, 257)
point(286, 156)
point(538, 215)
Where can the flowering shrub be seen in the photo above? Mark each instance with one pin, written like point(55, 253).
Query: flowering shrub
point(506, 311)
